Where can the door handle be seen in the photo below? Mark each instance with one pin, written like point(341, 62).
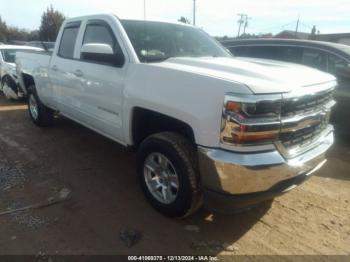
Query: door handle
point(78, 73)
point(54, 68)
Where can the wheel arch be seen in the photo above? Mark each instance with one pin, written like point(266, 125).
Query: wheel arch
point(10, 82)
point(145, 122)
point(28, 81)
point(4, 77)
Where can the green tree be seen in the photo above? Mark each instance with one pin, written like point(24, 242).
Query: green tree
point(3, 31)
point(184, 20)
point(8, 34)
point(14, 33)
point(33, 35)
point(51, 21)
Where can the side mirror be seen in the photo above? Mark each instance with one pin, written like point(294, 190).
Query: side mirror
point(102, 49)
point(99, 53)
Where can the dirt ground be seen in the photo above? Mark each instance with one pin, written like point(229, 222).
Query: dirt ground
point(106, 199)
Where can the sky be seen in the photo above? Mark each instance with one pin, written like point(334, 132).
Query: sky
point(217, 17)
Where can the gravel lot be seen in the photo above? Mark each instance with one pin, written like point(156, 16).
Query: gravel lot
point(106, 204)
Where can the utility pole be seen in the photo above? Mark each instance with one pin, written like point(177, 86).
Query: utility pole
point(240, 22)
point(144, 9)
point(194, 12)
point(296, 29)
point(246, 23)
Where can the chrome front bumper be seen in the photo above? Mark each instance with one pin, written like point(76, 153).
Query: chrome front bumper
point(246, 173)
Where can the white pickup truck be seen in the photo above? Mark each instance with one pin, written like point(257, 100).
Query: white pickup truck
point(209, 128)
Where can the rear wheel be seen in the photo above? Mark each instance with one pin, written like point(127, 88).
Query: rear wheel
point(40, 114)
point(167, 167)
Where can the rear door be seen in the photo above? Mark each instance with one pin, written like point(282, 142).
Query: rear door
point(62, 65)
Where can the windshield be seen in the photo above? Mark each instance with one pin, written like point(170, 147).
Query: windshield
point(154, 41)
point(9, 55)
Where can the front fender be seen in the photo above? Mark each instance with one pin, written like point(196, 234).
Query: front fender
point(192, 98)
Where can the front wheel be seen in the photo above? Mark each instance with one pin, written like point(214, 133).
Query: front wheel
point(40, 114)
point(167, 167)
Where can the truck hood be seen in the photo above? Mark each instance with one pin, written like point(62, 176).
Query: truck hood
point(261, 76)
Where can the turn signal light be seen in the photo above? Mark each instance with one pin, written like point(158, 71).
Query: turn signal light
point(250, 123)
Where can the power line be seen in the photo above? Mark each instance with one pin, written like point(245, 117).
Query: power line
point(306, 25)
point(280, 26)
point(291, 23)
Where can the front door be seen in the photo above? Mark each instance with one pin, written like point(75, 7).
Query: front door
point(100, 84)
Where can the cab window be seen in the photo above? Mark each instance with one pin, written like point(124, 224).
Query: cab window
point(99, 33)
point(68, 40)
point(336, 64)
point(239, 50)
point(315, 58)
point(291, 54)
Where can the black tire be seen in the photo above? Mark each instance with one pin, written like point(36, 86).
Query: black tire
point(183, 157)
point(45, 115)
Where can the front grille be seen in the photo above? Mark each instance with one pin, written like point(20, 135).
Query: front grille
point(305, 104)
point(303, 120)
point(302, 136)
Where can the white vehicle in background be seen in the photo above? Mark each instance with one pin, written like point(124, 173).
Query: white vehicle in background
point(9, 84)
point(47, 46)
point(207, 126)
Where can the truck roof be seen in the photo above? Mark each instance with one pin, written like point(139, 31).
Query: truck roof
point(156, 21)
point(115, 16)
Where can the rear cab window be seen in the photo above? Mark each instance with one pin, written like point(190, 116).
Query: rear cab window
point(68, 40)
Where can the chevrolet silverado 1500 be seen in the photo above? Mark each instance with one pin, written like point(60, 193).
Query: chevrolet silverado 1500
point(209, 128)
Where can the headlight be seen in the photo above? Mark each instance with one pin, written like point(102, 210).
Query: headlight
point(250, 120)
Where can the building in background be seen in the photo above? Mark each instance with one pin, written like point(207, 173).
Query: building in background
point(289, 34)
point(341, 38)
